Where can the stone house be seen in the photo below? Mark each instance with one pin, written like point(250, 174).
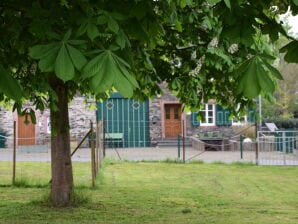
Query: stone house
point(39, 134)
point(159, 121)
point(140, 124)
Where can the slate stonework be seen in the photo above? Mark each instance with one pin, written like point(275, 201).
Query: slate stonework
point(6, 125)
point(80, 116)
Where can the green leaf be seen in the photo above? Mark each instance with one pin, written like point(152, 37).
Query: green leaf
point(76, 42)
point(113, 25)
point(228, 3)
point(92, 31)
point(32, 116)
point(93, 66)
point(267, 56)
point(107, 72)
point(102, 19)
point(213, 2)
point(41, 51)
point(67, 35)
point(47, 64)
point(255, 77)
point(178, 26)
point(248, 83)
point(123, 85)
point(114, 47)
point(122, 39)
point(64, 68)
point(252, 88)
point(82, 29)
point(291, 50)
point(207, 22)
point(129, 77)
point(120, 61)
point(78, 59)
point(9, 86)
point(274, 72)
point(264, 80)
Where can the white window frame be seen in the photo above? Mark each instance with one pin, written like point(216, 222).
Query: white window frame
point(206, 110)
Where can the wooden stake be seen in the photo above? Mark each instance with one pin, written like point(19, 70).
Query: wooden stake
point(14, 154)
point(92, 155)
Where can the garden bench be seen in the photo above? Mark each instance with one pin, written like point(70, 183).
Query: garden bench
point(114, 137)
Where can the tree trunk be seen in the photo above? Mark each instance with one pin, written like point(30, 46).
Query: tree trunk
point(62, 178)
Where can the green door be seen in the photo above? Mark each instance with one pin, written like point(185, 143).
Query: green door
point(126, 116)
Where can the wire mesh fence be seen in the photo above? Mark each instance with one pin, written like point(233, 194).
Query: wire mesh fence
point(33, 162)
point(134, 143)
point(223, 150)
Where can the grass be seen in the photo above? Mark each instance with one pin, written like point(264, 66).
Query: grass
point(161, 192)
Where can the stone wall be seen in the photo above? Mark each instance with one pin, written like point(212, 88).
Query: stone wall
point(6, 125)
point(155, 127)
point(155, 113)
point(80, 116)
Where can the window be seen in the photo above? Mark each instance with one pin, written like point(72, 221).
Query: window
point(176, 113)
point(208, 115)
point(168, 112)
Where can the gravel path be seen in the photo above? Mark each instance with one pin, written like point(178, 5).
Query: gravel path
point(158, 154)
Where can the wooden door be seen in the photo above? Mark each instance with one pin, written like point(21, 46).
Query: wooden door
point(172, 118)
point(26, 131)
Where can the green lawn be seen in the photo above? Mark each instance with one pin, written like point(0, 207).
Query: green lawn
point(144, 192)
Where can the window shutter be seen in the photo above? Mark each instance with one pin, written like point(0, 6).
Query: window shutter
point(194, 119)
point(251, 116)
point(227, 122)
point(222, 117)
point(219, 116)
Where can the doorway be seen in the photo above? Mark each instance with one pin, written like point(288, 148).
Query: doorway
point(26, 131)
point(172, 118)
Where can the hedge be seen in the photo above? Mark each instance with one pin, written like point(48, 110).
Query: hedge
point(283, 123)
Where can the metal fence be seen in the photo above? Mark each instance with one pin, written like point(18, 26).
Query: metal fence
point(225, 150)
point(278, 147)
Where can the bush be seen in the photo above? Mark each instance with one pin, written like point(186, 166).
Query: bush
point(283, 123)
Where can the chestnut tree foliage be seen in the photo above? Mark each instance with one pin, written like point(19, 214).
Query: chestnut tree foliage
point(203, 49)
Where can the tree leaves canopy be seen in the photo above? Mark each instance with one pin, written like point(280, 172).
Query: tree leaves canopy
point(203, 49)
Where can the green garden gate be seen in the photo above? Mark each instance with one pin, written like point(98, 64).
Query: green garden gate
point(127, 116)
point(285, 141)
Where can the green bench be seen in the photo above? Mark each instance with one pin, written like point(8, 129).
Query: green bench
point(114, 138)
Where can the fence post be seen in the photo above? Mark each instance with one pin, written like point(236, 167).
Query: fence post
point(241, 146)
point(179, 142)
point(104, 137)
point(14, 154)
point(97, 148)
point(92, 154)
point(284, 146)
point(183, 141)
point(257, 146)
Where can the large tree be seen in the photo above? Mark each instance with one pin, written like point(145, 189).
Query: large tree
point(52, 49)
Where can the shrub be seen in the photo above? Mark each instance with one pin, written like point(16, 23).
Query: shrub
point(283, 123)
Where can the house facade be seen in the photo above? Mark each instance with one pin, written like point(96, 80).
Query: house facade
point(141, 124)
point(155, 121)
point(28, 133)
